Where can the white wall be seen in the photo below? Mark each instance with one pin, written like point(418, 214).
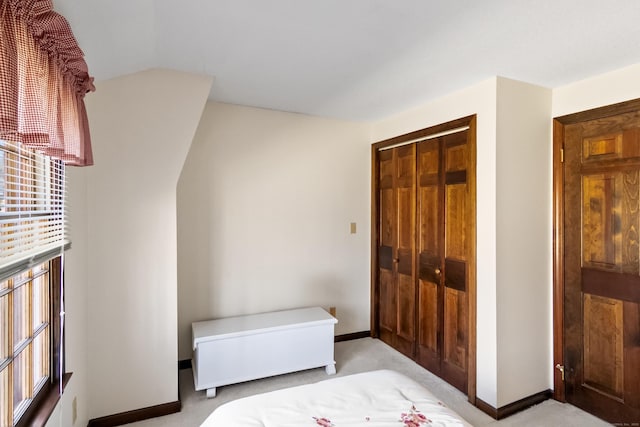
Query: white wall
point(604, 89)
point(264, 206)
point(524, 239)
point(514, 325)
point(133, 110)
point(62, 415)
point(75, 305)
point(479, 99)
point(142, 126)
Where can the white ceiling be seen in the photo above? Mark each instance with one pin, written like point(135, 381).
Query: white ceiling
point(355, 59)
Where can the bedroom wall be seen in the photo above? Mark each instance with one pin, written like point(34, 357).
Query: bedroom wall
point(479, 99)
point(513, 263)
point(142, 126)
point(265, 200)
point(597, 91)
point(523, 240)
point(109, 108)
point(75, 305)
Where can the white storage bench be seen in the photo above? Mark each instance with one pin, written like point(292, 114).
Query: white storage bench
point(243, 348)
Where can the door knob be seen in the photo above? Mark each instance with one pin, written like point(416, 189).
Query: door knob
point(437, 271)
point(396, 260)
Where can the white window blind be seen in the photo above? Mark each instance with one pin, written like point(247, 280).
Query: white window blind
point(32, 207)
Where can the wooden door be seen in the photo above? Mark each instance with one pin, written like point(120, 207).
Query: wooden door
point(601, 255)
point(396, 247)
point(442, 341)
point(423, 248)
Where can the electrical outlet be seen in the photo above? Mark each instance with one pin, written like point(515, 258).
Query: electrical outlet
point(74, 410)
point(332, 311)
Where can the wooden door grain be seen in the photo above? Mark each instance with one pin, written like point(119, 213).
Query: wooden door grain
point(405, 274)
point(423, 248)
point(456, 255)
point(387, 242)
point(396, 251)
point(430, 253)
point(443, 251)
point(601, 266)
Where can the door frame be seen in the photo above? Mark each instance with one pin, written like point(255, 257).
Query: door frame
point(559, 124)
point(407, 138)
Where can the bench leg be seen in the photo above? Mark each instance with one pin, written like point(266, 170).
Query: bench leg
point(211, 393)
point(330, 369)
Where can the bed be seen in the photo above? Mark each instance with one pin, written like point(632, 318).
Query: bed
point(373, 399)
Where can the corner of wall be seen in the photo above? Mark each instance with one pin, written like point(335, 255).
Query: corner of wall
point(479, 99)
point(265, 202)
point(142, 126)
point(523, 236)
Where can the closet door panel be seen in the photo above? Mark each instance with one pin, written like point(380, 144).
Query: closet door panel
point(428, 278)
point(388, 307)
point(405, 272)
point(455, 221)
point(426, 249)
point(428, 345)
point(429, 216)
point(455, 307)
point(428, 339)
point(387, 243)
point(429, 245)
point(387, 218)
point(406, 322)
point(454, 360)
point(396, 270)
point(455, 350)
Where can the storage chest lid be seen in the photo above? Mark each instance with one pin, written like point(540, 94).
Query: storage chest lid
point(229, 327)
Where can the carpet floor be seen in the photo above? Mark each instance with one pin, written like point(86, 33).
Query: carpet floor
point(362, 355)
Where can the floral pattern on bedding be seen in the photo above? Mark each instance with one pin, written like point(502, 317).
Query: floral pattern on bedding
point(413, 418)
point(369, 399)
point(324, 422)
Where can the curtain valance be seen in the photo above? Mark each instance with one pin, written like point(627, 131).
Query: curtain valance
point(43, 81)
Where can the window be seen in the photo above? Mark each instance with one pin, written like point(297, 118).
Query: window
point(31, 205)
point(25, 337)
point(31, 238)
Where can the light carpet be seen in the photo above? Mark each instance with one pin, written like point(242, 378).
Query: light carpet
point(362, 355)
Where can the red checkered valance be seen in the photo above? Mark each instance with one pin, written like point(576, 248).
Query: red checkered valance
point(43, 81)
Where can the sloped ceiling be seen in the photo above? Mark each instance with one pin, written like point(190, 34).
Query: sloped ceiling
point(355, 59)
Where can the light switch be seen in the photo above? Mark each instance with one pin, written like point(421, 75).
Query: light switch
point(353, 228)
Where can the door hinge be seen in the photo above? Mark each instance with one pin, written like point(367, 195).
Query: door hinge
point(562, 155)
point(561, 369)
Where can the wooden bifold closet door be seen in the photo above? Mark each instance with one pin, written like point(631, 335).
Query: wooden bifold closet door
point(424, 243)
point(397, 250)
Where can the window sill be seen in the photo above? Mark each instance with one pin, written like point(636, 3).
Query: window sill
point(44, 405)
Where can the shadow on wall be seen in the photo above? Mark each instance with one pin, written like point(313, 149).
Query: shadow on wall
point(193, 215)
point(263, 206)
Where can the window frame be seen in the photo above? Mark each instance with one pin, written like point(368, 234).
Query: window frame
point(42, 403)
point(32, 207)
point(32, 192)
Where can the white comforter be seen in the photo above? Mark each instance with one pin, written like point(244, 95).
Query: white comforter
point(372, 399)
